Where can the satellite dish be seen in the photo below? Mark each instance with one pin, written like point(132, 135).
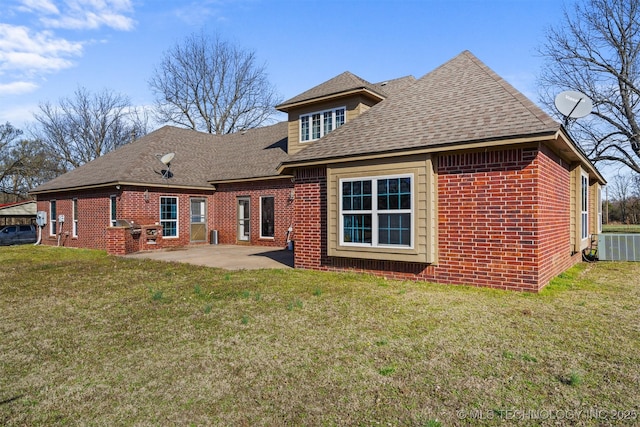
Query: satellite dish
point(573, 104)
point(166, 159)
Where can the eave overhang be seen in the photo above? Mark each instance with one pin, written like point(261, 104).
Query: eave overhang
point(357, 91)
point(122, 183)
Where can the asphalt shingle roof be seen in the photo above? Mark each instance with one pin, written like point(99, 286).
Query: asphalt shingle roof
point(461, 101)
point(199, 159)
point(341, 83)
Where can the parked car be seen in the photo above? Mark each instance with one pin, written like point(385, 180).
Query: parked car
point(18, 234)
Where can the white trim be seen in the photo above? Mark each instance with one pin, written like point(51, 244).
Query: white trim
point(274, 218)
point(584, 205)
point(53, 220)
point(599, 208)
point(177, 220)
point(74, 217)
point(375, 212)
point(321, 118)
point(113, 203)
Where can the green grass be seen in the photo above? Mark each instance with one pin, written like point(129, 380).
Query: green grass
point(621, 228)
point(85, 341)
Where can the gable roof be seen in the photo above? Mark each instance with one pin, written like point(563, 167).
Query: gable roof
point(199, 159)
point(342, 83)
point(459, 102)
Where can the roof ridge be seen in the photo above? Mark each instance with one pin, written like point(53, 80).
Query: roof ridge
point(529, 105)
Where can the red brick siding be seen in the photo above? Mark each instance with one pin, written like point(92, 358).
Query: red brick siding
point(225, 217)
point(554, 216)
point(131, 204)
point(499, 225)
point(93, 218)
point(310, 228)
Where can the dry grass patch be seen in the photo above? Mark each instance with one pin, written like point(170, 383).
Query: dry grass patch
point(93, 339)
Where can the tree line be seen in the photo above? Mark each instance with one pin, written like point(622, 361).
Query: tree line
point(207, 84)
point(203, 83)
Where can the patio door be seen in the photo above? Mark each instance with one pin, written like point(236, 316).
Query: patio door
point(244, 218)
point(198, 220)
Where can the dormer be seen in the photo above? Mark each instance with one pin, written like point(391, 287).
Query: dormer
point(325, 107)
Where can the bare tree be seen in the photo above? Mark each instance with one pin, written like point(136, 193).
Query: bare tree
point(24, 164)
point(621, 189)
point(8, 140)
point(210, 85)
point(597, 51)
point(86, 126)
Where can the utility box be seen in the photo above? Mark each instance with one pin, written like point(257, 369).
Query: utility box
point(214, 237)
point(618, 247)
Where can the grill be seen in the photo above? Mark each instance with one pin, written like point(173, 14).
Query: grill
point(132, 226)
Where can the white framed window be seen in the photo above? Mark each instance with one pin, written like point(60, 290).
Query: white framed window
point(377, 211)
point(599, 197)
point(113, 211)
point(169, 216)
point(585, 205)
point(52, 217)
point(316, 125)
point(267, 217)
point(74, 231)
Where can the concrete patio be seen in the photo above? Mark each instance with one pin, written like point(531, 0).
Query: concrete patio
point(230, 257)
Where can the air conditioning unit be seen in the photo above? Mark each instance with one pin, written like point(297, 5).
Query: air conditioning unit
point(618, 247)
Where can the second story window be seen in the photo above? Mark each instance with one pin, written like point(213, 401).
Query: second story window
point(316, 125)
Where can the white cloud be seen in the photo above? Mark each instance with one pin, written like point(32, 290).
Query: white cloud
point(91, 15)
point(17, 88)
point(25, 50)
point(39, 6)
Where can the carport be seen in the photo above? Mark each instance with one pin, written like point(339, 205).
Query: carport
point(18, 213)
point(229, 257)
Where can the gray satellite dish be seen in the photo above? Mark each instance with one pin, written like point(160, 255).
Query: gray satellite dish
point(573, 104)
point(166, 159)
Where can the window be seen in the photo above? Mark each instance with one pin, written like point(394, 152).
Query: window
point(377, 211)
point(316, 125)
point(112, 211)
point(52, 217)
point(585, 206)
point(169, 216)
point(267, 217)
point(75, 218)
point(599, 197)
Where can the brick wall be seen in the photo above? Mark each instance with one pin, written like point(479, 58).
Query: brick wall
point(310, 235)
point(132, 203)
point(93, 218)
point(225, 218)
point(503, 221)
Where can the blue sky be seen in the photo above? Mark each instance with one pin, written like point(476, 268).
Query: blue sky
point(50, 47)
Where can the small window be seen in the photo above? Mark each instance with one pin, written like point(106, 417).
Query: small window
point(75, 218)
point(316, 125)
point(52, 218)
point(25, 228)
point(377, 211)
point(113, 211)
point(267, 217)
point(169, 216)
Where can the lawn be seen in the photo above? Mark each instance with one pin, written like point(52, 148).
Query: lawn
point(621, 228)
point(89, 339)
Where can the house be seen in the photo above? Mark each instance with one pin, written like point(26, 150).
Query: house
point(455, 177)
point(18, 213)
